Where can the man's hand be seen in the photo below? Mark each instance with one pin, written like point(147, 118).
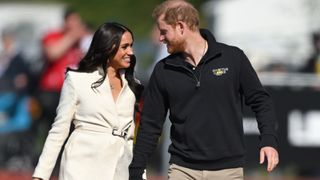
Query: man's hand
point(272, 157)
point(137, 174)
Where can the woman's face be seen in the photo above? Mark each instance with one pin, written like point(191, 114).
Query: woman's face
point(123, 56)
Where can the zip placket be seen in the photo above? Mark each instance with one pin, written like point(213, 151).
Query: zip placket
point(195, 77)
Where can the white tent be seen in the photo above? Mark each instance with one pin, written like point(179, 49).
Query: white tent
point(273, 31)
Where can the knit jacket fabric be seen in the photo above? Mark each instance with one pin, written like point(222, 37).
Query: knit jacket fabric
point(205, 105)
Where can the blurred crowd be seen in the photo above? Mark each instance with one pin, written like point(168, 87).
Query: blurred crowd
point(28, 99)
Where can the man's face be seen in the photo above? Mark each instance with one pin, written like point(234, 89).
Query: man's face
point(170, 36)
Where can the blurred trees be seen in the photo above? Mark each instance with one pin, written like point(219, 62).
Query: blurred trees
point(136, 14)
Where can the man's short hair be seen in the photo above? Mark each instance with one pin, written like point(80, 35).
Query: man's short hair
point(177, 10)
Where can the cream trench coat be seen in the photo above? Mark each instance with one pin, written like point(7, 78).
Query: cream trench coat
point(91, 152)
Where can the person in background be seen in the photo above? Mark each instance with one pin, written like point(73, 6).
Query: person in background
point(15, 80)
point(14, 71)
point(61, 49)
point(313, 63)
point(99, 98)
point(203, 83)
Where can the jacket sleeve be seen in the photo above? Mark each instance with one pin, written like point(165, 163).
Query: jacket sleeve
point(58, 132)
point(260, 102)
point(152, 118)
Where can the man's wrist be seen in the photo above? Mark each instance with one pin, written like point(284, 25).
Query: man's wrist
point(269, 140)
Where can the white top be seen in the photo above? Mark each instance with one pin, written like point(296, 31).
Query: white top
point(91, 151)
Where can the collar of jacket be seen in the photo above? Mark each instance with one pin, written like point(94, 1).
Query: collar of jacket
point(214, 50)
point(121, 71)
point(101, 72)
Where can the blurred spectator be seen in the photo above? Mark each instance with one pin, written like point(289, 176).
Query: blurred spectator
point(313, 63)
point(14, 80)
point(61, 50)
point(15, 119)
point(14, 71)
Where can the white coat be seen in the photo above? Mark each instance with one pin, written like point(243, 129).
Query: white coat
point(91, 152)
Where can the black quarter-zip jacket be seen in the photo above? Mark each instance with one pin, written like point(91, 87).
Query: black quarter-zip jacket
point(205, 109)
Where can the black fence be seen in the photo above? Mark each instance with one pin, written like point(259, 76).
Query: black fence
point(297, 104)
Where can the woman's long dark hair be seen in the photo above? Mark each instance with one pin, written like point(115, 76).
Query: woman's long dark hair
point(105, 44)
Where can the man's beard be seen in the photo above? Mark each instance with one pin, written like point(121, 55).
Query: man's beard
point(175, 47)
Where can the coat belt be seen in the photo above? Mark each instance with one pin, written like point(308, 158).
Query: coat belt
point(113, 131)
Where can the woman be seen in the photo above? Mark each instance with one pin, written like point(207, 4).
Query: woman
point(99, 99)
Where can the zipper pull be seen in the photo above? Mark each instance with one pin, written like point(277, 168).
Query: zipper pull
point(198, 84)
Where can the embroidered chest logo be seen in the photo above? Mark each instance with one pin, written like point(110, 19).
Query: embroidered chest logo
point(220, 71)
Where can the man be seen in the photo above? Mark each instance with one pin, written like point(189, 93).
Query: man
point(203, 83)
point(61, 50)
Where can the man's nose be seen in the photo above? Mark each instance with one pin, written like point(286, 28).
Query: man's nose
point(161, 38)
